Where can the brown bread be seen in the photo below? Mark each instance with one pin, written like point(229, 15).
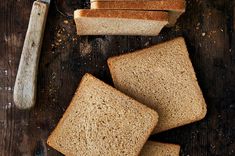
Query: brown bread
point(119, 22)
point(100, 120)
point(174, 7)
point(163, 78)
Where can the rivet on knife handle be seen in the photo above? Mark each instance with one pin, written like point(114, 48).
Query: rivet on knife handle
point(26, 79)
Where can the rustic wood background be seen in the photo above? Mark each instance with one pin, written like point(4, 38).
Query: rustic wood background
point(208, 27)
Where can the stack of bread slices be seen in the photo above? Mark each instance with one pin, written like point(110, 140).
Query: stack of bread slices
point(156, 89)
point(128, 17)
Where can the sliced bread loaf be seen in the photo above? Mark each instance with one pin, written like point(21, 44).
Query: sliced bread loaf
point(163, 78)
point(119, 22)
point(175, 7)
point(152, 148)
point(102, 121)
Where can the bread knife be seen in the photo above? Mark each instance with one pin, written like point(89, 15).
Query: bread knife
point(25, 88)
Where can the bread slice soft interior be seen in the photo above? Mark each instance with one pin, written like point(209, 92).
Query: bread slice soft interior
point(100, 120)
point(163, 78)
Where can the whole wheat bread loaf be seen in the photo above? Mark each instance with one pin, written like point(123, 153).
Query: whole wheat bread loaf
point(174, 7)
point(119, 22)
point(102, 121)
point(152, 148)
point(163, 78)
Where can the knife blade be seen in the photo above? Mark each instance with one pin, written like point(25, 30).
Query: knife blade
point(25, 88)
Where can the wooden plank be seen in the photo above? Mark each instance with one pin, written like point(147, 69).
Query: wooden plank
point(208, 27)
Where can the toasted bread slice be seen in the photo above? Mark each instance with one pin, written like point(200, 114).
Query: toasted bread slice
point(152, 148)
point(163, 78)
point(102, 121)
point(119, 22)
point(174, 7)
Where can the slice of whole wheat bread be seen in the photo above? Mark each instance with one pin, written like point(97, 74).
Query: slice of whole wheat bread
point(119, 22)
point(152, 148)
point(163, 78)
point(167, 5)
point(175, 7)
point(100, 120)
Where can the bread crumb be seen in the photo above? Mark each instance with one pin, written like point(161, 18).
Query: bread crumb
point(9, 89)
point(8, 106)
point(66, 21)
point(146, 44)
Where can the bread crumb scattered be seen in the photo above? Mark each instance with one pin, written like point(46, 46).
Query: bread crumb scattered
point(85, 48)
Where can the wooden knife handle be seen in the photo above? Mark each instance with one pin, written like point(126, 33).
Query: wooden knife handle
point(26, 79)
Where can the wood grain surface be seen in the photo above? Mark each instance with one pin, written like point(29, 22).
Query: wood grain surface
point(208, 27)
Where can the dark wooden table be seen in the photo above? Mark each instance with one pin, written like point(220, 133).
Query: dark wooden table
point(208, 27)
